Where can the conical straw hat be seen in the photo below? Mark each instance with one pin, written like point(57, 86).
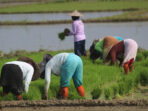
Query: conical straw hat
point(75, 13)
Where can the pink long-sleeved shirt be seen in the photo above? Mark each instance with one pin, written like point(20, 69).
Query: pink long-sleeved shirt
point(78, 30)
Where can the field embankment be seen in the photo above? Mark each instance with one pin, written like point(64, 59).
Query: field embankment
point(79, 5)
point(136, 16)
point(138, 11)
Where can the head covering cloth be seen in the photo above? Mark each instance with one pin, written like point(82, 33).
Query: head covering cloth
point(36, 73)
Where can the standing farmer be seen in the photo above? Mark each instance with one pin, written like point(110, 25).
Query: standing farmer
point(13, 73)
point(67, 66)
point(78, 33)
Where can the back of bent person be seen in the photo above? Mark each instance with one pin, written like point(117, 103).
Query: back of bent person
point(67, 66)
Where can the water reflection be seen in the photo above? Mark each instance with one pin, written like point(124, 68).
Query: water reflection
point(35, 37)
point(53, 16)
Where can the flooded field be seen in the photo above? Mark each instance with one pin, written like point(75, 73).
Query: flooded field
point(36, 37)
point(53, 16)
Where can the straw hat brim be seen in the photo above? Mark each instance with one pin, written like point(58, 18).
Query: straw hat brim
point(106, 52)
point(75, 13)
point(36, 73)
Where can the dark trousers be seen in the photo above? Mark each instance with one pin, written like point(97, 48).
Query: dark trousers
point(12, 79)
point(79, 48)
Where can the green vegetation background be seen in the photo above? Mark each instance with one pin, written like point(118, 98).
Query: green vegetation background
point(98, 5)
point(137, 10)
point(100, 81)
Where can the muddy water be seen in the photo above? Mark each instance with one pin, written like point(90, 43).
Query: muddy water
point(53, 16)
point(36, 37)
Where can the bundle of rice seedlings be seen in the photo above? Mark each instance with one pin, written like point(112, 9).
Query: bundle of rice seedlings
point(61, 35)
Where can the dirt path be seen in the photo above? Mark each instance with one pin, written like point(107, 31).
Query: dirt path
point(137, 101)
point(76, 108)
point(72, 105)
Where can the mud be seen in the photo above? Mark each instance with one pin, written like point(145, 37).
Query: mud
point(66, 105)
point(76, 108)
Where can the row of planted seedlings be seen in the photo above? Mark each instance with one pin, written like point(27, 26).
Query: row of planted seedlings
point(100, 81)
point(127, 83)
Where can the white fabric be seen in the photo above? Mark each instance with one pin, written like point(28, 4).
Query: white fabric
point(54, 66)
point(130, 49)
point(27, 71)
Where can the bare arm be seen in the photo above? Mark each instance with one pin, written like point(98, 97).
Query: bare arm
point(47, 81)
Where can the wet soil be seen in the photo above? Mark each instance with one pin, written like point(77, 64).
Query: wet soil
point(75, 108)
point(66, 105)
point(136, 101)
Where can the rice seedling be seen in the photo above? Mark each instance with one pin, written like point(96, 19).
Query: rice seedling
point(100, 81)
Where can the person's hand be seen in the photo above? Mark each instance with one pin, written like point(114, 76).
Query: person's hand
point(66, 31)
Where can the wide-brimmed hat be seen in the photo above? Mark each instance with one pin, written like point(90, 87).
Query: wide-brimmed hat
point(75, 13)
point(36, 73)
point(106, 52)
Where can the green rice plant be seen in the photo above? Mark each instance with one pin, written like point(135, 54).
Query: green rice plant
point(61, 35)
point(144, 63)
point(9, 97)
point(35, 90)
point(145, 54)
point(139, 57)
point(115, 89)
point(122, 88)
point(137, 80)
point(108, 92)
point(96, 93)
point(100, 81)
point(144, 77)
point(129, 85)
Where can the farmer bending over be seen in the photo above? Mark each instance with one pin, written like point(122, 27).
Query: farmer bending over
point(125, 51)
point(13, 73)
point(67, 66)
point(100, 47)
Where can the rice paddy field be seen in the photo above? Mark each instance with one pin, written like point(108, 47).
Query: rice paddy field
point(137, 10)
point(91, 5)
point(103, 82)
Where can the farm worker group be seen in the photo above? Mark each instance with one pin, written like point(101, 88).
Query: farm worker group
point(100, 47)
point(115, 48)
point(67, 65)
